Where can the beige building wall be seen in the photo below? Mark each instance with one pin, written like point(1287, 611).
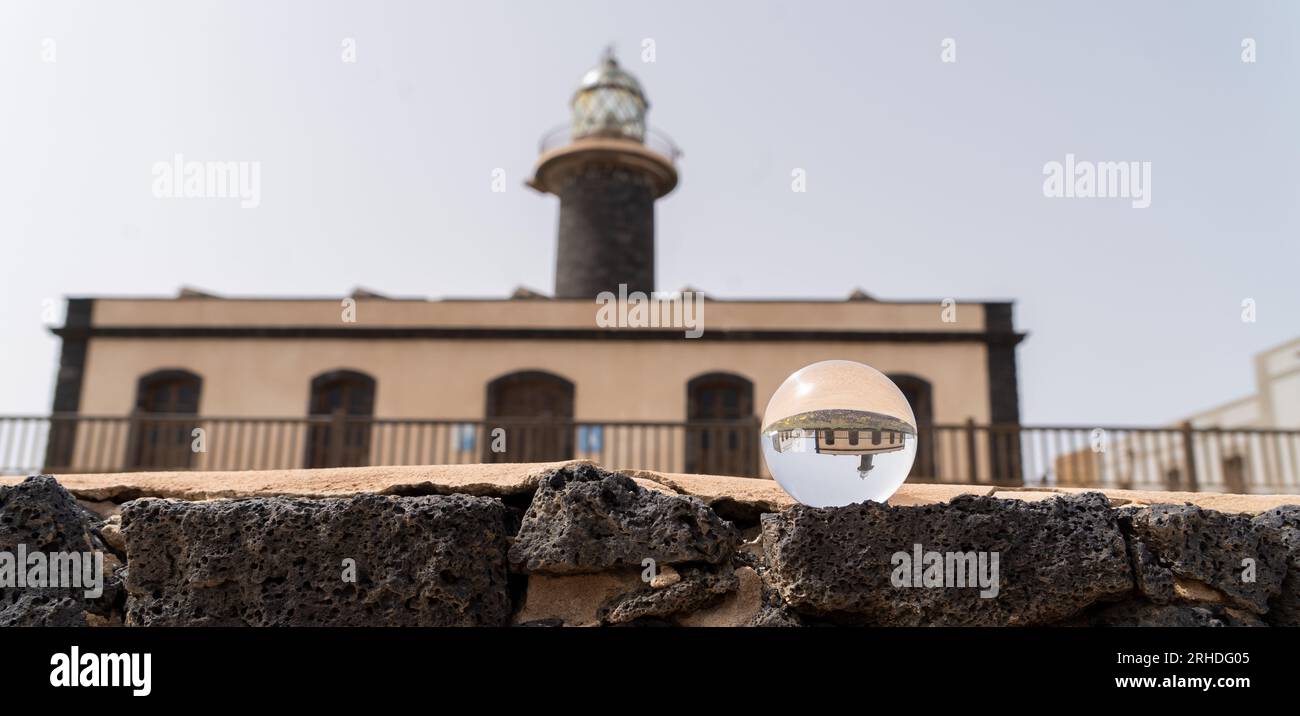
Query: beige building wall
point(417, 378)
point(447, 378)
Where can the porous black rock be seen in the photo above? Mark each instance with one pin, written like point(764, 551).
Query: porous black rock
point(43, 517)
point(1153, 581)
point(697, 588)
point(1284, 521)
point(773, 617)
point(1056, 557)
point(1242, 559)
point(278, 561)
point(583, 519)
point(1142, 613)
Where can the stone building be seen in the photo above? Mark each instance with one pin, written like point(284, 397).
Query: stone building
point(401, 380)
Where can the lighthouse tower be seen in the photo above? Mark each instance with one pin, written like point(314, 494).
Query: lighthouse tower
point(608, 169)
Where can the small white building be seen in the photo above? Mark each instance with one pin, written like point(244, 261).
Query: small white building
point(1245, 450)
point(1276, 400)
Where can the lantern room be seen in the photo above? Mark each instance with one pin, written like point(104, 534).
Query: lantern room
point(609, 102)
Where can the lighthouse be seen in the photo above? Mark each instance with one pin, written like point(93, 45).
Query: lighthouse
point(608, 169)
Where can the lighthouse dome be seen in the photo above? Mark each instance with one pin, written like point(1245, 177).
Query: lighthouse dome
point(609, 102)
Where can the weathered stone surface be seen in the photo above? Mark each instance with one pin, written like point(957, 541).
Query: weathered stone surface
point(1152, 580)
point(488, 480)
point(1142, 613)
point(589, 532)
point(1191, 543)
point(921, 493)
point(1284, 609)
point(697, 588)
point(575, 599)
point(1190, 590)
point(426, 561)
point(102, 510)
point(742, 497)
point(666, 577)
point(771, 617)
point(738, 609)
point(111, 531)
point(1223, 502)
point(584, 519)
point(1056, 557)
point(772, 610)
point(43, 517)
point(734, 498)
point(751, 546)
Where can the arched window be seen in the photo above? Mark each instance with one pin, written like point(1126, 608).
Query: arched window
point(161, 434)
point(721, 436)
point(535, 408)
point(920, 396)
point(347, 398)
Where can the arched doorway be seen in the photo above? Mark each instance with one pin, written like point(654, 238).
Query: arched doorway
point(347, 397)
point(159, 438)
point(721, 433)
point(535, 410)
point(920, 396)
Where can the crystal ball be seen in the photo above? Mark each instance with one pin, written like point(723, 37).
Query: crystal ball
point(838, 432)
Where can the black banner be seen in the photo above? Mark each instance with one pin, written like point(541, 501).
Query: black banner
point(175, 665)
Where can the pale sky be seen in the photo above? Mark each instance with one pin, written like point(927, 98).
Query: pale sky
point(924, 178)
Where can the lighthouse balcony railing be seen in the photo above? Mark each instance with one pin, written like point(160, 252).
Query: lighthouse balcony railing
point(655, 140)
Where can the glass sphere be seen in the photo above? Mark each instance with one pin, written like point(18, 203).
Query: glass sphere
point(839, 432)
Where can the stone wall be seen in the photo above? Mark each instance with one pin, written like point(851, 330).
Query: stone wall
point(576, 545)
